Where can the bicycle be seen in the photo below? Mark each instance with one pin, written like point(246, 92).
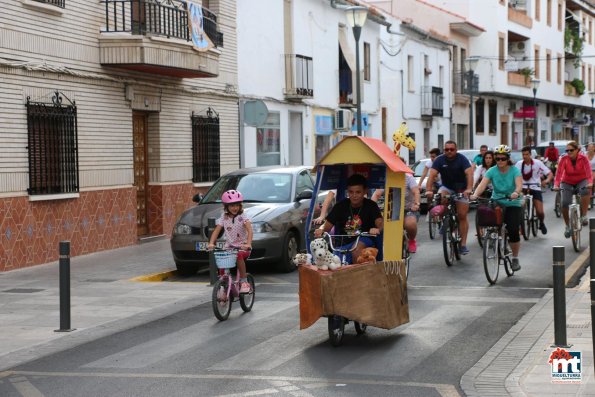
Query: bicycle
point(226, 290)
point(434, 223)
point(574, 217)
point(529, 221)
point(496, 249)
point(336, 323)
point(480, 230)
point(451, 236)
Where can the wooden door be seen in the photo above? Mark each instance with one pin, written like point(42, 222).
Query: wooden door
point(139, 132)
point(504, 133)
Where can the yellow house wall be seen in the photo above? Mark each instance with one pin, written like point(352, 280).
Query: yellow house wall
point(393, 230)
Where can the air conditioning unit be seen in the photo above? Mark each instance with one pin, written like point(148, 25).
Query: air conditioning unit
point(520, 45)
point(343, 119)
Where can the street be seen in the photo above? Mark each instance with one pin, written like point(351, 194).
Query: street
point(456, 317)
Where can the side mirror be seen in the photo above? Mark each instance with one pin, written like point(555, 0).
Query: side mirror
point(306, 194)
point(197, 197)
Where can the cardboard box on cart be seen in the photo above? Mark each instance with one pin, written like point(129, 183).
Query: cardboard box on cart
point(371, 293)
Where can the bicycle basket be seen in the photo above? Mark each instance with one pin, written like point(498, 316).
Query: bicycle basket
point(438, 210)
point(226, 259)
point(489, 215)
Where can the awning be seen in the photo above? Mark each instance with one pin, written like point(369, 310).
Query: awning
point(346, 48)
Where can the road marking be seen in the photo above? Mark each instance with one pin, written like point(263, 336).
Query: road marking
point(250, 393)
point(25, 388)
point(449, 298)
point(444, 390)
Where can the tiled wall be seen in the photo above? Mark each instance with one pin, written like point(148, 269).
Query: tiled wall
point(166, 203)
point(30, 232)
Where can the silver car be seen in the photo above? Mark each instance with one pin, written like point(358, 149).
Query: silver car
point(277, 201)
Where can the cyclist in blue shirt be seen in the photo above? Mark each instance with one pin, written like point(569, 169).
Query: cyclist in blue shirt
point(456, 174)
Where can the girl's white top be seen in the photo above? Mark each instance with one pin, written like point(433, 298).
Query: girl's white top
point(235, 229)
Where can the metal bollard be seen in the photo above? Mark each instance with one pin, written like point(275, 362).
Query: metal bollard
point(213, 272)
point(559, 298)
point(64, 287)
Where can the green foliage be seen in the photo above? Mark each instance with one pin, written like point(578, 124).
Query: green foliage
point(574, 44)
point(527, 72)
point(578, 85)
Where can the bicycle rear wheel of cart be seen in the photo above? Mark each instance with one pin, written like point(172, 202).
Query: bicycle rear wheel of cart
point(220, 302)
point(336, 329)
point(491, 257)
point(247, 300)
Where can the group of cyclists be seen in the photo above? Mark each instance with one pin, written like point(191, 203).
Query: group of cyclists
point(492, 174)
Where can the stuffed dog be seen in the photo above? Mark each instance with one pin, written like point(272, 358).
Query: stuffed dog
point(302, 259)
point(323, 258)
point(368, 255)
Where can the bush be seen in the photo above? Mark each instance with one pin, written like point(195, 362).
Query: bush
point(578, 85)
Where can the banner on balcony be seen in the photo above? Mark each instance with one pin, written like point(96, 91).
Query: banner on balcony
point(196, 25)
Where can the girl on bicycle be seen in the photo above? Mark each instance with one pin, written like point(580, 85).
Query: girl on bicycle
point(506, 181)
point(238, 232)
point(574, 174)
point(486, 163)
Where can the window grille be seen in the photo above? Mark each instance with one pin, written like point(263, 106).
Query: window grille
point(57, 3)
point(205, 147)
point(52, 146)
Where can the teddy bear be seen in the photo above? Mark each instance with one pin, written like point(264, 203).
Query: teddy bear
point(323, 258)
point(368, 255)
point(302, 259)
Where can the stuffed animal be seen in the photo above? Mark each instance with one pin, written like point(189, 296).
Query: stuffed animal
point(323, 258)
point(368, 255)
point(401, 138)
point(302, 259)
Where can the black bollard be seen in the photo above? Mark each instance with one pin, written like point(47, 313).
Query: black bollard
point(64, 287)
point(559, 298)
point(213, 272)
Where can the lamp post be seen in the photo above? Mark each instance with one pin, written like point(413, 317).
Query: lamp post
point(592, 95)
point(535, 85)
point(471, 64)
point(356, 18)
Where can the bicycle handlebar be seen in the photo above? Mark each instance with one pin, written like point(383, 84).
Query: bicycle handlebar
point(357, 237)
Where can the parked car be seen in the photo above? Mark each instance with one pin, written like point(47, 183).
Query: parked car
point(276, 199)
point(469, 153)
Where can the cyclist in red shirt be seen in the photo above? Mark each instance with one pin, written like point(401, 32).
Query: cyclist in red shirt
point(551, 153)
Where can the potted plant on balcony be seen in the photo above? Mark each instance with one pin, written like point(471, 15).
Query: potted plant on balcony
point(578, 85)
point(574, 45)
point(527, 73)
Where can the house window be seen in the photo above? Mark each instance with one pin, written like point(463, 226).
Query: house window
point(367, 61)
point(492, 116)
point(410, 73)
point(560, 14)
point(479, 116)
point(536, 52)
point(205, 147)
point(537, 10)
point(548, 66)
point(501, 55)
point(559, 68)
point(268, 141)
point(52, 146)
point(549, 13)
point(57, 3)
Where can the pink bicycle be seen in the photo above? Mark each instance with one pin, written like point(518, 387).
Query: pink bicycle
point(227, 290)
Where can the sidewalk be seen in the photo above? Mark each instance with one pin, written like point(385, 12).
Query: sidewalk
point(517, 365)
point(103, 300)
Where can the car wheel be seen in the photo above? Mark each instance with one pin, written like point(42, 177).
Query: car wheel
point(291, 245)
point(185, 269)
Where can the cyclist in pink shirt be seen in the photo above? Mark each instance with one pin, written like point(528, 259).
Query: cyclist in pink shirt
point(574, 174)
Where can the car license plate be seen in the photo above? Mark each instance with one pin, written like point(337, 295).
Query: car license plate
point(204, 245)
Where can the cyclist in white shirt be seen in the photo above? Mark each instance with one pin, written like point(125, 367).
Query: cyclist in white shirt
point(532, 170)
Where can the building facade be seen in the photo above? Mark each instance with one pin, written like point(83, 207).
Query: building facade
point(113, 116)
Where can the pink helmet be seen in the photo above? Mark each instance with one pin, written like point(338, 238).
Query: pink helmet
point(232, 196)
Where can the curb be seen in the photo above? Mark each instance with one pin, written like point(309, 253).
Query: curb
point(576, 268)
point(155, 277)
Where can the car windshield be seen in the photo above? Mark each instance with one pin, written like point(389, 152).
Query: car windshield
point(418, 168)
point(256, 188)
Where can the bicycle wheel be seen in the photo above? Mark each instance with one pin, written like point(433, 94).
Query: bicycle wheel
point(247, 300)
point(336, 329)
point(491, 257)
point(575, 225)
point(456, 238)
point(360, 328)
point(447, 245)
point(480, 232)
point(219, 301)
point(525, 222)
point(433, 226)
point(558, 205)
point(406, 255)
point(535, 223)
point(505, 252)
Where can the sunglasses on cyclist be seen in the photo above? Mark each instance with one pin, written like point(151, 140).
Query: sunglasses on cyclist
point(449, 149)
point(570, 150)
point(501, 158)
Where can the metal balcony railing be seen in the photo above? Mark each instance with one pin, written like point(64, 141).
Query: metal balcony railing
point(432, 101)
point(57, 3)
point(461, 83)
point(299, 74)
point(167, 18)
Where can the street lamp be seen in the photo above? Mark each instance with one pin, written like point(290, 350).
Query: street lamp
point(471, 64)
point(535, 85)
point(356, 18)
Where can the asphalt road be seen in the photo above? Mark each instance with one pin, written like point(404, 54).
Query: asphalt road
point(455, 318)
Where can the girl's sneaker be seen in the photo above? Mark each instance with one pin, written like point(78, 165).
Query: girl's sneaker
point(245, 288)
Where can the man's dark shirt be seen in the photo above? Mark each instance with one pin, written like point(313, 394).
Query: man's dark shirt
point(452, 172)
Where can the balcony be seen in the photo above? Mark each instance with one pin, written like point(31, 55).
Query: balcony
point(518, 79)
point(569, 89)
point(520, 17)
point(57, 3)
point(299, 74)
point(432, 101)
point(460, 84)
point(153, 36)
